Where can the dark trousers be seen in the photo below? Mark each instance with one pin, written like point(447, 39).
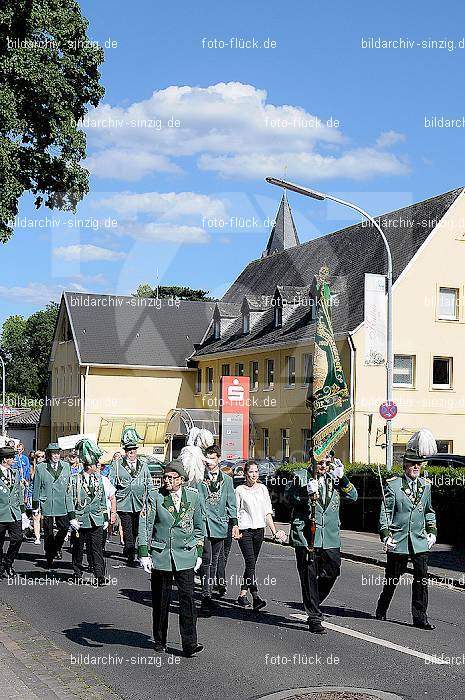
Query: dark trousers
point(250, 544)
point(223, 558)
point(318, 571)
point(130, 525)
point(92, 538)
point(15, 533)
point(162, 583)
point(54, 542)
point(328, 568)
point(396, 565)
point(211, 552)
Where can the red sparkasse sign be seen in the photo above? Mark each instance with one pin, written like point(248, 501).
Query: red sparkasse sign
point(235, 392)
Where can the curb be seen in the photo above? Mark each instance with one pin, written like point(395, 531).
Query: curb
point(453, 582)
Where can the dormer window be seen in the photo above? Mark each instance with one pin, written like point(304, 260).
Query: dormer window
point(246, 323)
point(278, 316)
point(313, 309)
point(216, 329)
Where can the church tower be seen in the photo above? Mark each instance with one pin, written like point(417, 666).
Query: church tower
point(283, 234)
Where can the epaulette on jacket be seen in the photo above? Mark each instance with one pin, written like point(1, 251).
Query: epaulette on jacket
point(393, 478)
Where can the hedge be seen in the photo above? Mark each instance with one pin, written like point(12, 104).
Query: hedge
point(448, 496)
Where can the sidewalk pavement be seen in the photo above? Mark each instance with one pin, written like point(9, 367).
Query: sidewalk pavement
point(33, 667)
point(446, 563)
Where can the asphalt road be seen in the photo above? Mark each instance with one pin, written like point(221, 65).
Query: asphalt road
point(247, 655)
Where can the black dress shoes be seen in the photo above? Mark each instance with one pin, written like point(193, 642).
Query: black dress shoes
point(424, 625)
point(190, 651)
point(379, 615)
point(258, 604)
point(316, 628)
point(159, 648)
point(9, 570)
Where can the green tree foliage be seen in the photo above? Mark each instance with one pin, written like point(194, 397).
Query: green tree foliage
point(184, 293)
point(48, 76)
point(26, 345)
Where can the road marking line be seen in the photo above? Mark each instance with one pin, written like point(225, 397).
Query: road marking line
point(376, 640)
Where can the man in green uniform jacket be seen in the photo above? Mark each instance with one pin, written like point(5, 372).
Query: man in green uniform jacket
point(51, 497)
point(407, 526)
point(12, 510)
point(91, 509)
point(174, 552)
point(319, 570)
point(218, 500)
point(131, 478)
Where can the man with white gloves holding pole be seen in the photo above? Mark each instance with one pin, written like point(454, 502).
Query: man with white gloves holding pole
point(407, 526)
point(172, 549)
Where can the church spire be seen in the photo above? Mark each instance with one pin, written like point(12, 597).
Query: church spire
point(284, 233)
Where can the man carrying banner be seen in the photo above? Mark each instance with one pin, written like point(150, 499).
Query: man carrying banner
point(316, 492)
point(407, 526)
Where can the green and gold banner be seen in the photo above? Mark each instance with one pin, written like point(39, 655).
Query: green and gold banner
point(330, 394)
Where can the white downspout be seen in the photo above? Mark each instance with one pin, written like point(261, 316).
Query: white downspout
point(352, 397)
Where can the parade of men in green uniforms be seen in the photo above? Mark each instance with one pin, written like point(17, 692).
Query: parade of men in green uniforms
point(52, 498)
point(12, 516)
point(407, 527)
point(131, 478)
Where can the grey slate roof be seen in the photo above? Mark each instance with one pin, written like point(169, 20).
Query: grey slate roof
point(24, 419)
point(284, 233)
point(349, 254)
point(125, 330)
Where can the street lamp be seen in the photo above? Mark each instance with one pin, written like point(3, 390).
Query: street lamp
point(307, 192)
point(3, 393)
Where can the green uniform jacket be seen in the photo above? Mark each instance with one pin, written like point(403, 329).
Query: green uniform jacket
point(52, 489)
point(11, 496)
point(131, 489)
point(177, 538)
point(328, 524)
point(408, 519)
point(90, 504)
point(218, 502)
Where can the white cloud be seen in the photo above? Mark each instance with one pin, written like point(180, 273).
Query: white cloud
point(33, 293)
point(224, 125)
point(165, 232)
point(389, 138)
point(86, 253)
point(169, 205)
point(357, 164)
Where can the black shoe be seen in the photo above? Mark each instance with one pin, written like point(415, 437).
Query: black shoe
point(424, 625)
point(209, 603)
point(316, 628)
point(59, 555)
point(102, 581)
point(243, 601)
point(132, 563)
point(159, 648)
point(380, 616)
point(193, 650)
point(258, 603)
point(2, 572)
point(9, 570)
point(221, 591)
point(48, 564)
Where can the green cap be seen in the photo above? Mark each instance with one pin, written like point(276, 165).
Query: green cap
point(53, 447)
point(175, 466)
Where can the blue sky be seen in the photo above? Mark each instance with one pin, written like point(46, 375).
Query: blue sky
point(173, 199)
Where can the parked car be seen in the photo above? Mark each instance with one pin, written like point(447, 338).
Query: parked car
point(444, 459)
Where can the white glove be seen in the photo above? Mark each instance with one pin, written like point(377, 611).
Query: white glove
point(337, 472)
point(147, 564)
point(74, 524)
point(36, 511)
point(389, 544)
point(25, 522)
point(280, 536)
point(312, 486)
point(431, 539)
point(198, 564)
point(105, 525)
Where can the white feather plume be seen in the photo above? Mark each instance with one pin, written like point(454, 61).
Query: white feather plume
point(423, 443)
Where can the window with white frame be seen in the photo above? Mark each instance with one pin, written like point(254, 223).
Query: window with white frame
point(404, 371)
point(285, 443)
point(290, 370)
point(307, 363)
point(266, 443)
point(448, 304)
point(278, 316)
point(306, 444)
point(245, 323)
point(269, 374)
point(442, 372)
point(445, 446)
point(239, 370)
point(253, 373)
point(209, 379)
point(198, 381)
point(216, 328)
